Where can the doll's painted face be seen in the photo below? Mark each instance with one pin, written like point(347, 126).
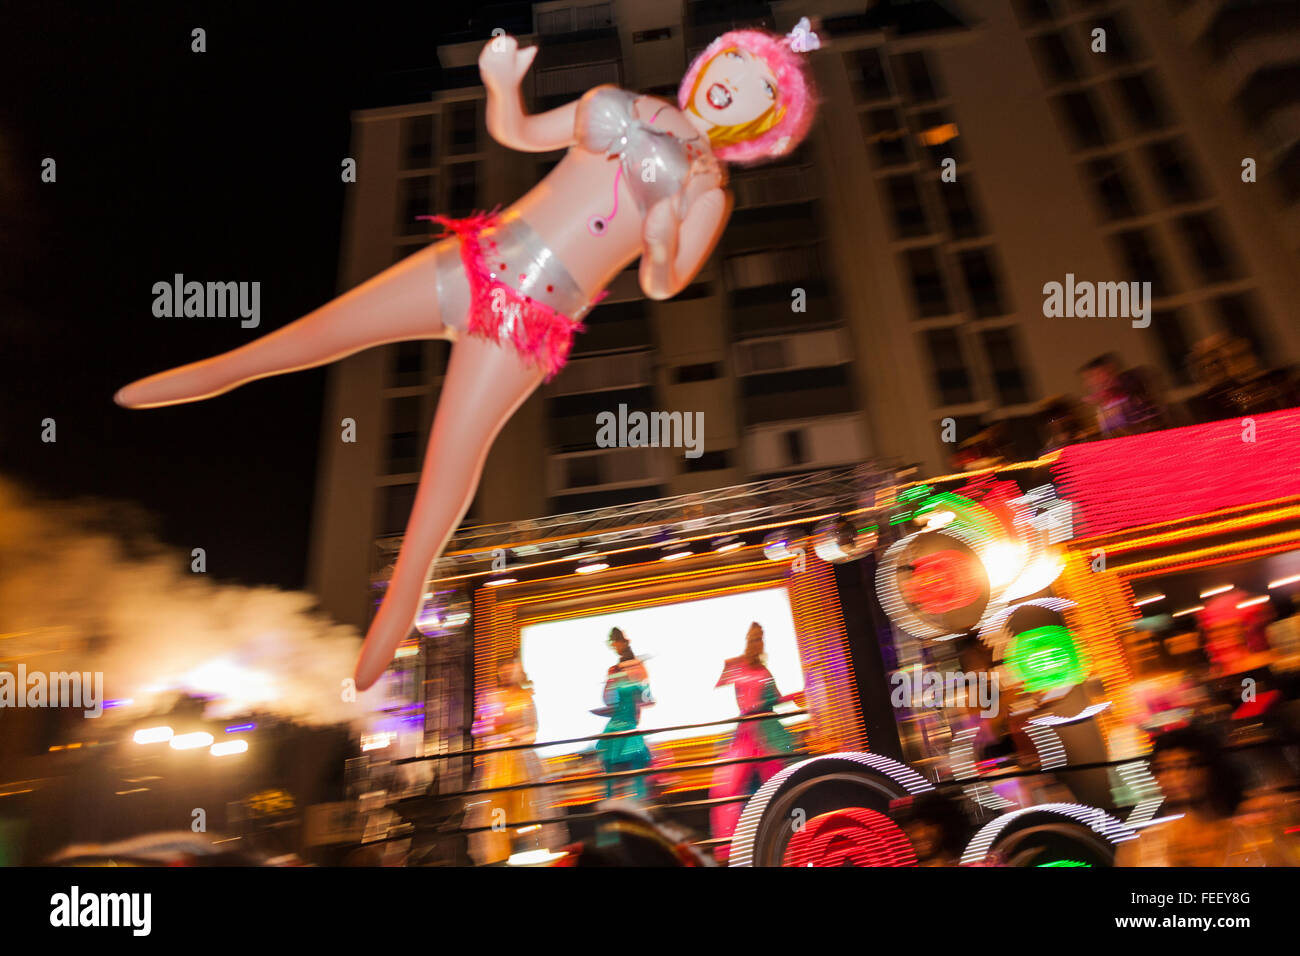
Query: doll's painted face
point(735, 88)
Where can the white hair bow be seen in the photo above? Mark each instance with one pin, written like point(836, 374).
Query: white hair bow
point(802, 39)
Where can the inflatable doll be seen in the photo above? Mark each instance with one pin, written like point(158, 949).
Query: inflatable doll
point(756, 693)
point(642, 178)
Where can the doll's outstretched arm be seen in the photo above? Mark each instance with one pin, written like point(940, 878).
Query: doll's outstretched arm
point(675, 250)
point(502, 66)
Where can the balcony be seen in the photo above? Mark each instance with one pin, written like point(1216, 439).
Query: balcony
point(606, 469)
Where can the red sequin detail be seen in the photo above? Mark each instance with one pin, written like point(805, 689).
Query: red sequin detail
point(540, 334)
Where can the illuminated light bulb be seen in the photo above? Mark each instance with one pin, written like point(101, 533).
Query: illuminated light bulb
point(533, 857)
point(1036, 577)
point(497, 582)
point(1150, 599)
point(592, 567)
point(1283, 582)
point(1003, 560)
point(1221, 589)
point(152, 735)
point(1188, 610)
point(193, 741)
point(228, 747)
point(1241, 605)
point(937, 519)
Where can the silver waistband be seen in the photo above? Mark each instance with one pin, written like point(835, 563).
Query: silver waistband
point(516, 255)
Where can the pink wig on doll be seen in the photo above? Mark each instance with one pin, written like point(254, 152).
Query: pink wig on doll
point(796, 96)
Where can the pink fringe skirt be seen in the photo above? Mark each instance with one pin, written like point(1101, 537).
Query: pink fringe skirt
point(499, 312)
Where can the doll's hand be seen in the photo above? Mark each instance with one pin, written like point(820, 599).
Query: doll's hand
point(660, 231)
point(502, 64)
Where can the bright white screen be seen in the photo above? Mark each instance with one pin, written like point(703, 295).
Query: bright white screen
point(683, 646)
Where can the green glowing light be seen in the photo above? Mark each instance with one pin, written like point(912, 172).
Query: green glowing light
point(1046, 657)
point(1065, 863)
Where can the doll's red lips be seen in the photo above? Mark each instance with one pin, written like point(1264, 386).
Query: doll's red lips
point(719, 96)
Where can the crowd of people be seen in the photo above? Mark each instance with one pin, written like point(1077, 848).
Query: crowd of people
point(1118, 400)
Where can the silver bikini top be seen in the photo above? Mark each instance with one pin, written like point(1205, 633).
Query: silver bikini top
point(656, 163)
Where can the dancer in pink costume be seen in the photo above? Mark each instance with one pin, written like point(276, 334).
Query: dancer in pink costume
point(756, 693)
point(642, 178)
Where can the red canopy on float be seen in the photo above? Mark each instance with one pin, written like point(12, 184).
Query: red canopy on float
point(1181, 472)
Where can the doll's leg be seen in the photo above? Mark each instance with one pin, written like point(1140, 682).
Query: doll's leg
point(399, 304)
point(485, 384)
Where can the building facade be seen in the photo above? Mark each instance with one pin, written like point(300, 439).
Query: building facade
point(880, 293)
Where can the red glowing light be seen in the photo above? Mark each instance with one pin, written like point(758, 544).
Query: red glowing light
point(854, 836)
point(942, 581)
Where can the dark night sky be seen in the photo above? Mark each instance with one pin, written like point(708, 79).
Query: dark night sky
point(221, 166)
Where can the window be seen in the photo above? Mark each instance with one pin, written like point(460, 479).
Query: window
point(1145, 109)
point(867, 71)
point(1111, 188)
point(1080, 115)
point(1172, 169)
point(1269, 89)
point(462, 188)
point(1174, 347)
point(464, 127)
point(417, 142)
point(696, 290)
point(597, 16)
point(917, 77)
point(395, 507)
point(700, 372)
point(1004, 361)
point(963, 220)
point(796, 449)
point(774, 267)
point(982, 285)
point(415, 199)
point(1288, 172)
point(928, 287)
point(938, 135)
point(1055, 58)
point(1205, 246)
point(905, 205)
point(951, 380)
point(408, 364)
point(887, 137)
point(1238, 315)
point(1119, 49)
point(582, 471)
point(1034, 11)
point(1141, 261)
point(403, 450)
point(709, 461)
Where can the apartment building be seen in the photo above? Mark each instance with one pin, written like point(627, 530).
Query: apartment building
point(879, 294)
